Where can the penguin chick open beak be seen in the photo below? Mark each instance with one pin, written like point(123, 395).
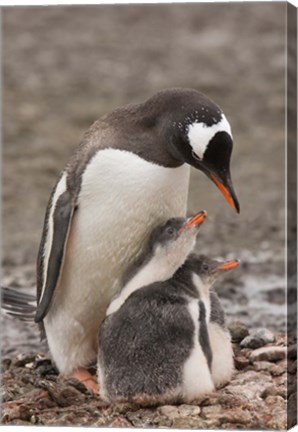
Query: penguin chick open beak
point(227, 190)
point(228, 265)
point(194, 221)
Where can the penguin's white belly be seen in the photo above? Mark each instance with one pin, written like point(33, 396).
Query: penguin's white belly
point(122, 198)
point(222, 361)
point(197, 379)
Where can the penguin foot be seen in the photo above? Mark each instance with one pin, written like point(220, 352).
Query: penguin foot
point(86, 378)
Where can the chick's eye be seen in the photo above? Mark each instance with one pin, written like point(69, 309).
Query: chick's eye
point(170, 231)
point(205, 267)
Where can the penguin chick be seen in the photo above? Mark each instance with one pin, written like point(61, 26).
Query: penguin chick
point(150, 344)
point(220, 340)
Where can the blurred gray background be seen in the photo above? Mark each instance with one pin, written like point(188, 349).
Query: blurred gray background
point(63, 67)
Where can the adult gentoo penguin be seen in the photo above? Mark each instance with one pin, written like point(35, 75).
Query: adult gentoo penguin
point(130, 173)
point(153, 344)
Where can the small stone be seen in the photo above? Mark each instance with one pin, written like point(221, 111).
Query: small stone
point(34, 419)
point(189, 410)
point(258, 339)
point(273, 391)
point(275, 400)
point(236, 416)
point(238, 330)
point(23, 359)
point(183, 410)
point(262, 365)
point(281, 380)
point(274, 369)
point(211, 411)
point(62, 394)
point(141, 418)
point(13, 410)
point(120, 422)
point(41, 360)
point(241, 362)
point(29, 365)
point(231, 400)
point(272, 354)
point(277, 370)
point(190, 423)
point(169, 411)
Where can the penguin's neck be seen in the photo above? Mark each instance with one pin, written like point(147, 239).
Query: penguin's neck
point(158, 268)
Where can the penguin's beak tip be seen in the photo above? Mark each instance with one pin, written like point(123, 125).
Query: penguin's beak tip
point(226, 188)
point(236, 205)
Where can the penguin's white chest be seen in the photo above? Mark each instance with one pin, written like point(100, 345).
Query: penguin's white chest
point(197, 379)
point(122, 198)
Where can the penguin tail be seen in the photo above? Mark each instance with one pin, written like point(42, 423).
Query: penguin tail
point(18, 304)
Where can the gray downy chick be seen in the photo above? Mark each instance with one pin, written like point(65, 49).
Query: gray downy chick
point(207, 272)
point(154, 345)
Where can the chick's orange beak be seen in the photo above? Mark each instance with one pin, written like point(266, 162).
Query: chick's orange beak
point(228, 265)
point(195, 220)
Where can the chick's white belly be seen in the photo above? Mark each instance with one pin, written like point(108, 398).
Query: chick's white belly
point(107, 232)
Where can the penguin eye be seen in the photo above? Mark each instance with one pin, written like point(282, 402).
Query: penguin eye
point(195, 156)
point(170, 231)
point(205, 267)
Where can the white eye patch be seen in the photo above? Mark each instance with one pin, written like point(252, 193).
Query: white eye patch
point(199, 134)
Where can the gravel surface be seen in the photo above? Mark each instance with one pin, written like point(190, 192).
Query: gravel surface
point(63, 67)
point(256, 397)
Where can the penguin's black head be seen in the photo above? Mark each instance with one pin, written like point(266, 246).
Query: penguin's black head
point(210, 270)
point(198, 133)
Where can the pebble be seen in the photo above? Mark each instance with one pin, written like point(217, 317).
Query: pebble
point(193, 423)
point(241, 362)
point(274, 369)
point(238, 331)
point(273, 391)
point(258, 339)
point(271, 354)
point(169, 411)
point(184, 410)
point(23, 359)
point(212, 411)
point(189, 410)
point(240, 416)
point(275, 400)
point(120, 422)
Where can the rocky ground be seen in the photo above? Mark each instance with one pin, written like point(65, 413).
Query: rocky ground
point(256, 397)
point(63, 67)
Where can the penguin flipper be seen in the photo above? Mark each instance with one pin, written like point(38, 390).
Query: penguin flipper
point(51, 259)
